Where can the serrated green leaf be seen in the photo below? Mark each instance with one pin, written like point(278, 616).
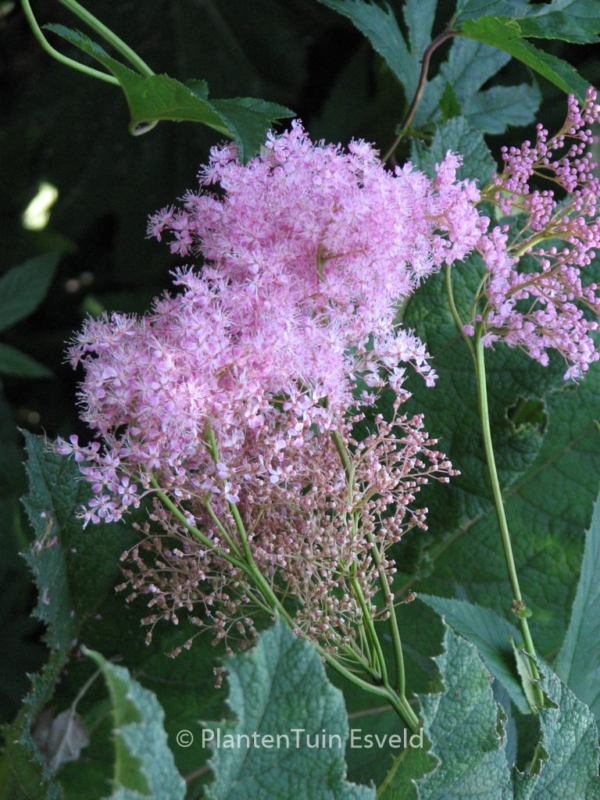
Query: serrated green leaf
point(576, 21)
point(74, 571)
point(568, 767)
point(473, 9)
point(465, 728)
point(380, 27)
point(578, 663)
point(24, 287)
point(47, 558)
point(144, 765)
point(158, 98)
point(469, 65)
point(280, 689)
point(495, 109)
point(491, 635)
point(449, 104)
point(419, 16)
point(506, 34)
point(14, 362)
point(29, 776)
point(91, 611)
point(458, 136)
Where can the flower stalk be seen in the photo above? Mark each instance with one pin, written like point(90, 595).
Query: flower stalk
point(519, 606)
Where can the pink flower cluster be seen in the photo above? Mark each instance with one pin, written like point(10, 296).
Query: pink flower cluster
point(307, 255)
point(536, 297)
point(226, 396)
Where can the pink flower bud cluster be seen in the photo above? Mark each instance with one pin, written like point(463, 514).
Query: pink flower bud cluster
point(226, 396)
point(537, 297)
point(312, 534)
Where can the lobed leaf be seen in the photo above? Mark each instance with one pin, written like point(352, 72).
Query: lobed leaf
point(276, 690)
point(465, 728)
point(144, 765)
point(568, 767)
point(507, 35)
point(492, 636)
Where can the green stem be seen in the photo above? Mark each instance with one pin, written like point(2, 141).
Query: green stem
point(114, 41)
point(178, 514)
point(380, 687)
point(392, 620)
point(499, 503)
point(57, 55)
point(454, 311)
point(400, 704)
point(399, 694)
point(369, 625)
point(222, 529)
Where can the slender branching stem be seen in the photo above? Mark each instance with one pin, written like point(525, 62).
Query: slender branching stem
point(399, 692)
point(196, 533)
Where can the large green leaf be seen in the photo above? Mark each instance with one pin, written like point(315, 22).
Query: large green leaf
point(24, 287)
point(493, 637)
point(466, 730)
point(578, 663)
point(157, 98)
point(568, 766)
point(76, 571)
point(73, 573)
point(469, 66)
point(283, 702)
point(575, 21)
point(144, 765)
point(506, 34)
